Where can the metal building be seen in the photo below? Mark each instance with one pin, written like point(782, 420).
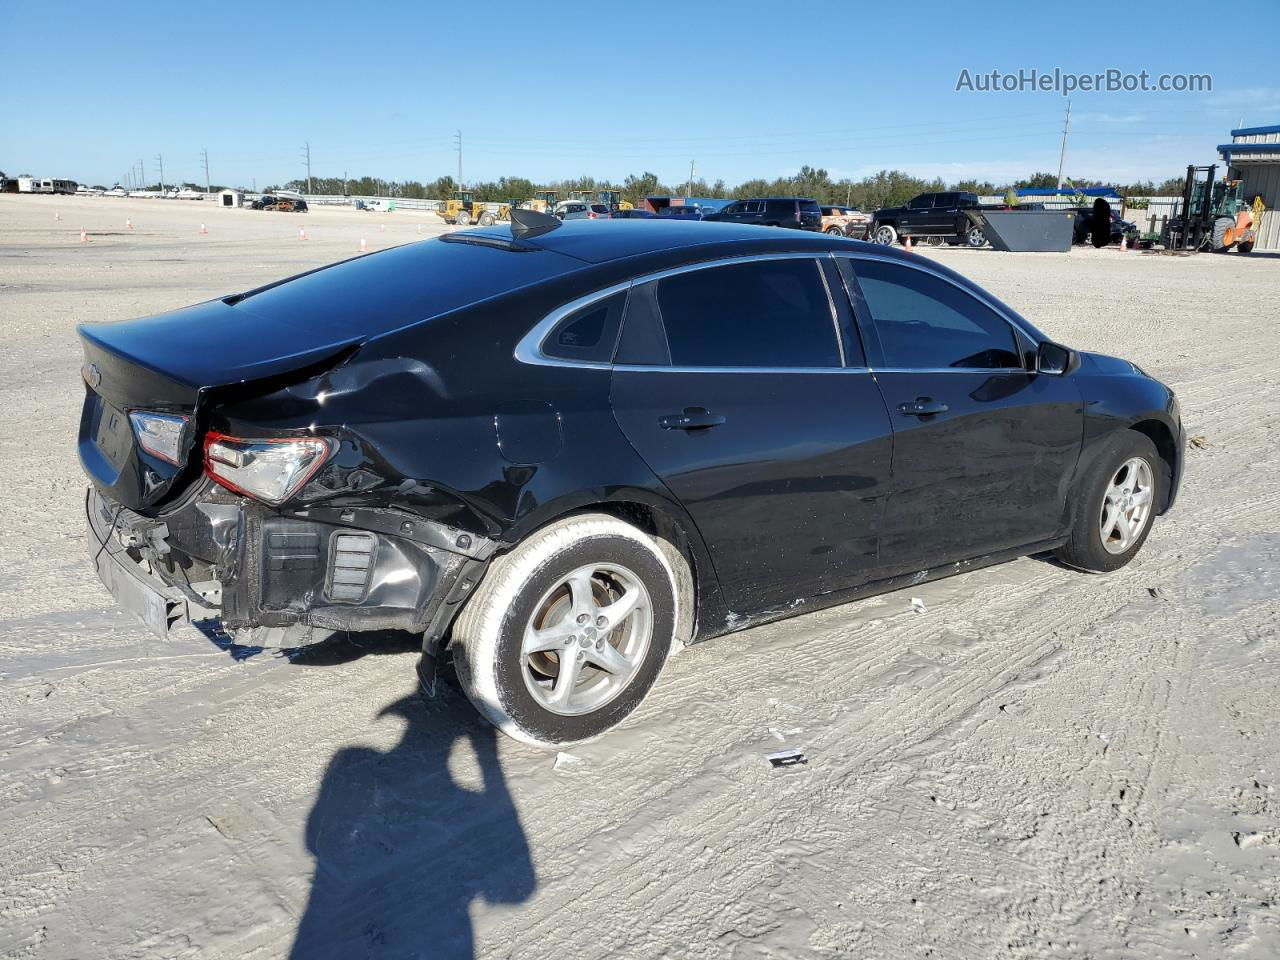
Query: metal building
point(1253, 156)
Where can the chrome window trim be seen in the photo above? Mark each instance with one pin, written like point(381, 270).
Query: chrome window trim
point(529, 349)
point(986, 370)
point(997, 309)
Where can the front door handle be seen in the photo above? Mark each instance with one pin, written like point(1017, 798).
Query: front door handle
point(922, 407)
point(693, 418)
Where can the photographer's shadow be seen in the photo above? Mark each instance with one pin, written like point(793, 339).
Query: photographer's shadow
point(401, 849)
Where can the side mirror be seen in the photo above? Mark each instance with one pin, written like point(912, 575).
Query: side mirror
point(1056, 360)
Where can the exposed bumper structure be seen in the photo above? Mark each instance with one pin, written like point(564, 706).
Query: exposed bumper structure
point(284, 579)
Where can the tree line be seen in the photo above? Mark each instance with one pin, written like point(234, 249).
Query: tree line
point(884, 189)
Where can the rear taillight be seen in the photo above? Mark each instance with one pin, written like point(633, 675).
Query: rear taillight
point(160, 434)
point(268, 470)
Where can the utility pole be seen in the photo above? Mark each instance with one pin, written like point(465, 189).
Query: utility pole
point(160, 163)
point(848, 194)
point(142, 174)
point(457, 138)
point(205, 154)
point(344, 183)
point(1062, 155)
point(689, 191)
point(306, 155)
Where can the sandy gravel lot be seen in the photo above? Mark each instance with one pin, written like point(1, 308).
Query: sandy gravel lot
point(1045, 764)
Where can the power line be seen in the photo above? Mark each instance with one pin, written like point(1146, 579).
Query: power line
point(205, 156)
point(160, 162)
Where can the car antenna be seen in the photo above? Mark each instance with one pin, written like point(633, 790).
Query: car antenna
point(527, 224)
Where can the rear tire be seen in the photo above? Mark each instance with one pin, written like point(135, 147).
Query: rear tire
point(975, 238)
point(486, 219)
point(550, 598)
point(1114, 504)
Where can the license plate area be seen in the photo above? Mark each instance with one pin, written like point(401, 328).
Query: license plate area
point(112, 434)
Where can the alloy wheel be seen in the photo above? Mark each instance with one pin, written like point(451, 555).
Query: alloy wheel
point(1126, 505)
point(586, 639)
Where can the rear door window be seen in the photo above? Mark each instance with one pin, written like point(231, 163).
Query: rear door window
point(588, 334)
point(763, 313)
point(925, 323)
point(923, 202)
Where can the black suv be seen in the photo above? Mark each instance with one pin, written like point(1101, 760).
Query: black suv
point(940, 215)
point(799, 213)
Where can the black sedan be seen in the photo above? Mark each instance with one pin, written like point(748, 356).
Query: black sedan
point(563, 448)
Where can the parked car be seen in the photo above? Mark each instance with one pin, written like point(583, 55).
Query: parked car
point(683, 213)
point(1120, 228)
point(581, 210)
point(282, 204)
point(845, 222)
point(801, 213)
point(930, 215)
point(632, 214)
point(561, 464)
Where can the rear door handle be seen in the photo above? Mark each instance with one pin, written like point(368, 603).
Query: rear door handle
point(693, 418)
point(922, 407)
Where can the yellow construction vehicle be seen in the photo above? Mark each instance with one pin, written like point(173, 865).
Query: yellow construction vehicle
point(463, 209)
point(613, 200)
point(544, 201)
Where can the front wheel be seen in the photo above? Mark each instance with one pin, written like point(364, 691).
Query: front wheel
point(885, 235)
point(567, 632)
point(486, 219)
point(1115, 502)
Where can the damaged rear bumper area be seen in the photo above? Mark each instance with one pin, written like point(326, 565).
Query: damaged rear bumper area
point(283, 579)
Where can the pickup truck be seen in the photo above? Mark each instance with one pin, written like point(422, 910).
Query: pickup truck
point(935, 217)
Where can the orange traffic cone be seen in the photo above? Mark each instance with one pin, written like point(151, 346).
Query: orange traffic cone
point(203, 228)
point(907, 244)
point(364, 247)
point(1124, 244)
point(302, 233)
point(84, 235)
point(128, 224)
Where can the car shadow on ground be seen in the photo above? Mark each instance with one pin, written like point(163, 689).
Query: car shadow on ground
point(405, 839)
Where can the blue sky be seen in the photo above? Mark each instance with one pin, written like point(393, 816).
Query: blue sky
point(557, 90)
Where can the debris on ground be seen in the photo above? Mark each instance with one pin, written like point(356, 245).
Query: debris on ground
point(787, 758)
point(1199, 441)
point(918, 605)
point(565, 760)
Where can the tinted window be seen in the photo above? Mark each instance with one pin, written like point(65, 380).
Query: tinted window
point(588, 334)
point(922, 202)
point(769, 313)
point(946, 200)
point(924, 322)
point(809, 206)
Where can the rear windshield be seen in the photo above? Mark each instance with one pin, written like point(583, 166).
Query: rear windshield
point(384, 291)
point(809, 205)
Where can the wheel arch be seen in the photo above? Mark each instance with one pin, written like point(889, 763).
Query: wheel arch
point(1161, 434)
point(662, 519)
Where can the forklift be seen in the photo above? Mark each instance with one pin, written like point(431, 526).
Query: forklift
point(1213, 215)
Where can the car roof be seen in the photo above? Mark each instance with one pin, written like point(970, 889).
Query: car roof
point(602, 241)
